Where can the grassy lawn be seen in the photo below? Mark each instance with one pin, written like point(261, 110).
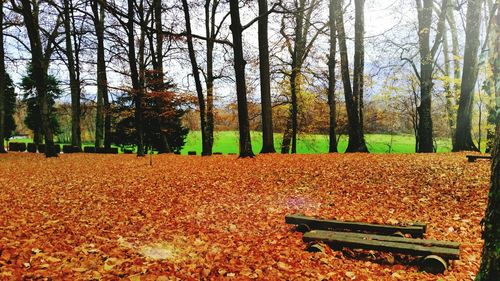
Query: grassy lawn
point(227, 142)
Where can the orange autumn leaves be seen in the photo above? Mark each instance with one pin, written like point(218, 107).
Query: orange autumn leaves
point(82, 217)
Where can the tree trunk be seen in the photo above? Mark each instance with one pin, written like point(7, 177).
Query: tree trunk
point(356, 139)
point(265, 81)
point(449, 105)
point(424, 110)
point(134, 75)
point(287, 137)
point(332, 147)
point(76, 139)
point(455, 49)
point(295, 88)
point(158, 64)
point(359, 144)
point(210, 33)
point(490, 262)
point(299, 53)
point(239, 69)
point(2, 84)
point(463, 134)
point(103, 129)
point(427, 55)
point(197, 80)
point(40, 66)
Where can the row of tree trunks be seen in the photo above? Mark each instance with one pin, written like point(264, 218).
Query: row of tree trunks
point(2, 84)
point(490, 262)
point(265, 80)
point(353, 99)
point(239, 69)
point(463, 135)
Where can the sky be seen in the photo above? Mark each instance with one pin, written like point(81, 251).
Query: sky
point(381, 16)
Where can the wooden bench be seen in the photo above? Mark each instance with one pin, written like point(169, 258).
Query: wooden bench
point(435, 253)
point(305, 224)
point(473, 158)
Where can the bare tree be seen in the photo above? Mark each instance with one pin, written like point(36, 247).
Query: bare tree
point(332, 147)
point(74, 73)
point(137, 90)
point(206, 145)
point(427, 55)
point(353, 95)
point(40, 59)
point(299, 46)
point(241, 90)
point(103, 116)
point(463, 134)
point(2, 83)
point(265, 80)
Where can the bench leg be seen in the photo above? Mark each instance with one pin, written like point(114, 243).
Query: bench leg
point(433, 264)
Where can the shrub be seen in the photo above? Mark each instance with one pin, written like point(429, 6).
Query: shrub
point(41, 148)
point(31, 147)
point(89, 149)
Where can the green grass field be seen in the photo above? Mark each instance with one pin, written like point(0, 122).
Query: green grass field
point(227, 142)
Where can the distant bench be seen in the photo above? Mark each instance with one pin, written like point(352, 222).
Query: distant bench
point(473, 158)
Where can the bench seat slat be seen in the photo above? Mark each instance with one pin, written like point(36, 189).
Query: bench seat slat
point(416, 229)
point(355, 241)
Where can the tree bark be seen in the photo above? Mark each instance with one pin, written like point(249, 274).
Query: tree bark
point(2, 84)
point(76, 139)
point(332, 146)
point(463, 135)
point(196, 74)
point(239, 69)
point(490, 262)
point(353, 105)
point(134, 75)
point(265, 81)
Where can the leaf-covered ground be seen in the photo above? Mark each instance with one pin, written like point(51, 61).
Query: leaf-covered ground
point(82, 217)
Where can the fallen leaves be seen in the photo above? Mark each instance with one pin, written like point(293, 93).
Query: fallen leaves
point(82, 217)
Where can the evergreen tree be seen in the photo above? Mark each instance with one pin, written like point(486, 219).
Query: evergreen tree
point(33, 117)
point(162, 113)
point(10, 107)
